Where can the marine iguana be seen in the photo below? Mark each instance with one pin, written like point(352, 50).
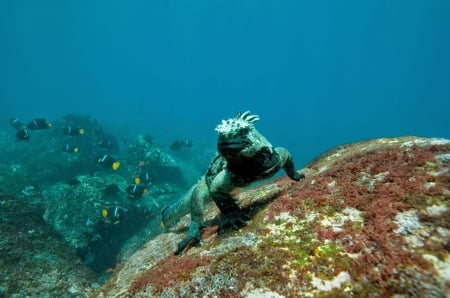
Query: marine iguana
point(244, 156)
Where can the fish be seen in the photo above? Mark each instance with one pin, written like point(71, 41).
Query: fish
point(136, 191)
point(113, 214)
point(177, 145)
point(23, 134)
point(145, 177)
point(96, 130)
point(107, 161)
point(73, 131)
point(73, 182)
point(111, 190)
point(39, 123)
point(107, 143)
point(70, 148)
point(16, 123)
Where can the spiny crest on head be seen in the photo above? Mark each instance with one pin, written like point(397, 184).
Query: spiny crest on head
point(241, 121)
point(246, 116)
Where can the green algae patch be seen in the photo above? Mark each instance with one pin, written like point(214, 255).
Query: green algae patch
point(302, 259)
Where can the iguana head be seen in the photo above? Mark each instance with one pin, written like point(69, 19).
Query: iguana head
point(234, 134)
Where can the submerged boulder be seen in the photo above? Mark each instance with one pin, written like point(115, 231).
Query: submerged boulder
point(35, 260)
point(145, 153)
point(370, 219)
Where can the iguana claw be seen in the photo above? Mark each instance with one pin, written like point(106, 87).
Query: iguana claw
point(236, 220)
point(193, 234)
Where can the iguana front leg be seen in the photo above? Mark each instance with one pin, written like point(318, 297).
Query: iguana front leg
point(232, 215)
point(286, 162)
point(220, 189)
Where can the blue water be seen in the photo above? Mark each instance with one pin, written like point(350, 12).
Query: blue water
point(319, 73)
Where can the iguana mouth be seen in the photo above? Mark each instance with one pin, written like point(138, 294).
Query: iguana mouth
point(232, 146)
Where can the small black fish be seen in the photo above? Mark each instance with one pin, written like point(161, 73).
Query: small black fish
point(108, 142)
point(145, 177)
point(111, 190)
point(23, 134)
point(39, 123)
point(107, 161)
point(70, 148)
point(105, 143)
point(73, 131)
point(73, 182)
point(97, 130)
point(136, 191)
point(177, 145)
point(113, 214)
point(148, 138)
point(16, 124)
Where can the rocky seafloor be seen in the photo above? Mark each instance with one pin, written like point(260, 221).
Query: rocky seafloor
point(370, 219)
point(35, 260)
point(55, 240)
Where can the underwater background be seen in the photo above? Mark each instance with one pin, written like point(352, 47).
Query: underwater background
point(144, 83)
point(319, 73)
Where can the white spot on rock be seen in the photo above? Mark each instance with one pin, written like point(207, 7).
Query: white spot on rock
point(328, 285)
point(261, 293)
point(337, 221)
point(408, 222)
point(443, 157)
point(436, 210)
point(426, 142)
point(441, 267)
point(410, 227)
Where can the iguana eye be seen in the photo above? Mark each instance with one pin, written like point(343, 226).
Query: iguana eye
point(244, 131)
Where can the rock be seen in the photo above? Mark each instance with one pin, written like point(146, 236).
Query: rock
point(370, 219)
point(68, 208)
point(145, 153)
point(76, 213)
point(35, 261)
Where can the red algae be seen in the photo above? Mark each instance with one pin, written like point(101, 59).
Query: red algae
point(401, 174)
point(169, 272)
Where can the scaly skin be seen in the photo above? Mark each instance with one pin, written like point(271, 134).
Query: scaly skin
point(244, 156)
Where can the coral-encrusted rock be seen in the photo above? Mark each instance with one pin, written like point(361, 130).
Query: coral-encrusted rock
point(35, 261)
point(370, 219)
point(144, 151)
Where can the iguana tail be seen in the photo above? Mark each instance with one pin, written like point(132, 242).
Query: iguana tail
point(177, 209)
